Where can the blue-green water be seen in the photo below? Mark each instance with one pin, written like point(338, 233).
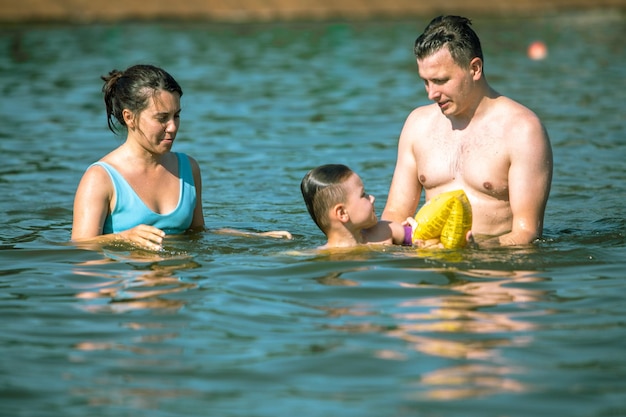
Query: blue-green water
point(230, 326)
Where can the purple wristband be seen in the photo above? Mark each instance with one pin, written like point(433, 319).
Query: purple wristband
point(408, 236)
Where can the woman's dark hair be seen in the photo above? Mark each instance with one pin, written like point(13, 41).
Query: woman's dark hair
point(455, 33)
point(321, 189)
point(131, 88)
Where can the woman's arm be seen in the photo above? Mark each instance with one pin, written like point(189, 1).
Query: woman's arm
point(279, 234)
point(197, 223)
point(92, 202)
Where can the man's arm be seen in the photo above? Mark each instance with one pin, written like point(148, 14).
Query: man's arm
point(405, 190)
point(530, 178)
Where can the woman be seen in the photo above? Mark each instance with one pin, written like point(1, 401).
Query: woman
point(141, 191)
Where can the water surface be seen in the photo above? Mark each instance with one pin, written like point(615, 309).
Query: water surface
point(230, 326)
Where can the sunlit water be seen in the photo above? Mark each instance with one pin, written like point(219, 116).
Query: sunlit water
point(230, 326)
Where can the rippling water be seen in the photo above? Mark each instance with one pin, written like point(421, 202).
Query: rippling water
point(229, 326)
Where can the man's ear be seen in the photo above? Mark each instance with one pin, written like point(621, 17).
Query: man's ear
point(129, 118)
point(476, 68)
point(340, 213)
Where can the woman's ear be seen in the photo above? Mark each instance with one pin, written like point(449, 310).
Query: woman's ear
point(129, 118)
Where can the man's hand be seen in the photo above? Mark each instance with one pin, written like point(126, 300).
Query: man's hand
point(436, 243)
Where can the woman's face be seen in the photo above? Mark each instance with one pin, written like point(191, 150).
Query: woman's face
point(156, 126)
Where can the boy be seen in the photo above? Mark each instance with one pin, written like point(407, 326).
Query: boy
point(337, 202)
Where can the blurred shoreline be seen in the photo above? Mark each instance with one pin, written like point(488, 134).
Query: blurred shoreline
point(89, 11)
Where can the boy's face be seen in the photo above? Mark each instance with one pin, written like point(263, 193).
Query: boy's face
point(359, 204)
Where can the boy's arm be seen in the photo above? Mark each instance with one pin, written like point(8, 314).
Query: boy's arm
point(401, 234)
point(388, 232)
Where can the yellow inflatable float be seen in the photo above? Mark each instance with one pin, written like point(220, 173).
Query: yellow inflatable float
point(447, 216)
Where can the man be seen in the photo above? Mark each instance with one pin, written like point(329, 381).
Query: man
point(471, 138)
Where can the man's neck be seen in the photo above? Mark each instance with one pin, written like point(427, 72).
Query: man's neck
point(475, 107)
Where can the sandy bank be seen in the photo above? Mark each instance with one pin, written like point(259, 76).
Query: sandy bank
point(15, 11)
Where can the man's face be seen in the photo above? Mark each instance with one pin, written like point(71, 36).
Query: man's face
point(446, 83)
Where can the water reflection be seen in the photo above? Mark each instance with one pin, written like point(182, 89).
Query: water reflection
point(470, 380)
point(334, 279)
point(480, 314)
point(130, 281)
point(135, 398)
point(146, 286)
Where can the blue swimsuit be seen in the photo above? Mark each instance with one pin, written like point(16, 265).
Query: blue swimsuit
point(130, 210)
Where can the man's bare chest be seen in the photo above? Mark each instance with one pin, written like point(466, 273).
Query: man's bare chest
point(478, 161)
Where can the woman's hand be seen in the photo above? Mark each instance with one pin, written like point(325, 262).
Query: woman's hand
point(144, 236)
point(278, 234)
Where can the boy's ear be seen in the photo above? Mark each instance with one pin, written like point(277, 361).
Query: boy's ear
point(340, 213)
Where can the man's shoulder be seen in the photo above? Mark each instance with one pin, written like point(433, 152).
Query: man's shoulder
point(513, 110)
point(519, 124)
point(430, 109)
point(424, 116)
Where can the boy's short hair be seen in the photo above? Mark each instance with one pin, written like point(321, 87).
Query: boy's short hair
point(321, 189)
